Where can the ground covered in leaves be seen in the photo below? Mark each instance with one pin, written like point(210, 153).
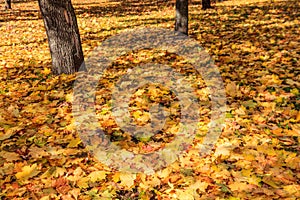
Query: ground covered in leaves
point(256, 46)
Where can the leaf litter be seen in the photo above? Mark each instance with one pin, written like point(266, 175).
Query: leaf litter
point(255, 45)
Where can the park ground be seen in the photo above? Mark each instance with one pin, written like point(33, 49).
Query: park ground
point(256, 47)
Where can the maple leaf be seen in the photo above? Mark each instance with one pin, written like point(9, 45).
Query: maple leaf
point(97, 176)
point(46, 71)
point(199, 185)
point(62, 185)
point(127, 179)
point(292, 190)
point(74, 143)
point(224, 149)
point(83, 182)
point(28, 172)
point(187, 194)
point(232, 89)
point(238, 186)
point(9, 156)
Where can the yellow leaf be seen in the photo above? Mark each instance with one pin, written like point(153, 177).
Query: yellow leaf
point(246, 172)
point(234, 198)
point(269, 150)
point(254, 180)
point(9, 156)
point(46, 71)
point(127, 179)
point(258, 118)
point(270, 105)
point(279, 100)
point(74, 143)
point(276, 79)
point(151, 182)
point(83, 182)
point(277, 131)
point(232, 89)
point(272, 41)
point(137, 114)
point(263, 58)
point(293, 162)
point(9, 131)
point(71, 126)
point(27, 172)
point(295, 91)
point(292, 189)
point(75, 193)
point(69, 98)
point(248, 156)
point(164, 173)
point(97, 176)
point(116, 177)
point(59, 171)
point(201, 185)
point(298, 117)
point(238, 186)
point(268, 180)
point(45, 198)
point(185, 194)
point(77, 174)
point(223, 150)
point(107, 195)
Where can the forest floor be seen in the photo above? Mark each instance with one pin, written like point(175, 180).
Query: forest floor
point(256, 48)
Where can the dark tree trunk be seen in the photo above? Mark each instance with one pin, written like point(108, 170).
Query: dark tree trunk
point(182, 16)
point(63, 35)
point(7, 4)
point(206, 4)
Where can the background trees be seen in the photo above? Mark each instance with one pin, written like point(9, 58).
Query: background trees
point(64, 38)
point(63, 35)
point(7, 4)
point(206, 4)
point(181, 18)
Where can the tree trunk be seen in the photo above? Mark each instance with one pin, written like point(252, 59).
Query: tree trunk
point(7, 4)
point(182, 16)
point(63, 35)
point(206, 4)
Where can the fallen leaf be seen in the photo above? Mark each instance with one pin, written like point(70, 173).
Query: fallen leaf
point(28, 172)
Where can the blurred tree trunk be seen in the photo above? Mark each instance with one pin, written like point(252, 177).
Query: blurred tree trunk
point(63, 35)
point(7, 4)
point(206, 4)
point(182, 16)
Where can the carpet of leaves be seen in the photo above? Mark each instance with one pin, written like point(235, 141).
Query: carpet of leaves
point(256, 46)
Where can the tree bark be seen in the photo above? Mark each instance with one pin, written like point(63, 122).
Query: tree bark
point(206, 4)
point(7, 4)
point(182, 16)
point(63, 35)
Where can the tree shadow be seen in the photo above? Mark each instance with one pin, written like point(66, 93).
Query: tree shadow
point(119, 8)
point(94, 34)
point(22, 1)
point(19, 15)
point(245, 26)
point(285, 11)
